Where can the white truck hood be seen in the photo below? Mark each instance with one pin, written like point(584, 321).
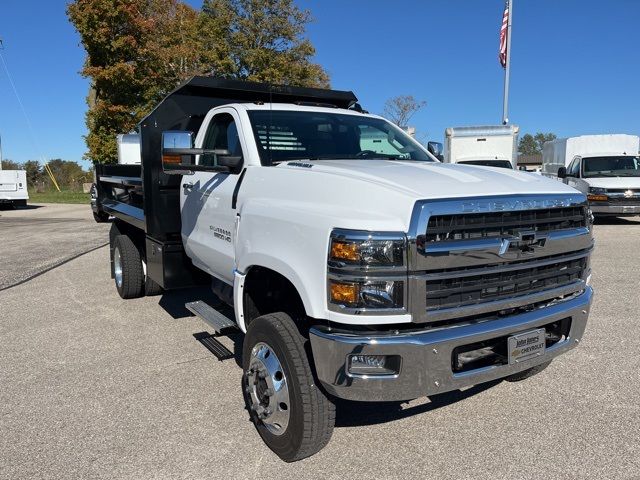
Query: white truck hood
point(632, 183)
point(434, 180)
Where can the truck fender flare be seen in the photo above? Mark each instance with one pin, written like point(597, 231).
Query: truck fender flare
point(275, 265)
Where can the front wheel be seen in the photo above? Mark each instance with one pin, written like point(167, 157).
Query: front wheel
point(292, 415)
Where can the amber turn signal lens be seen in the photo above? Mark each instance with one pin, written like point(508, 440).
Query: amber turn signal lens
point(597, 198)
point(344, 293)
point(171, 159)
point(345, 251)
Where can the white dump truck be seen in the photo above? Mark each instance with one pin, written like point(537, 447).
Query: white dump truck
point(489, 146)
point(604, 167)
point(13, 187)
point(356, 264)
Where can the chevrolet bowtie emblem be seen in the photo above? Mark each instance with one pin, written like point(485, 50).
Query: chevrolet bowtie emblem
point(522, 242)
point(628, 194)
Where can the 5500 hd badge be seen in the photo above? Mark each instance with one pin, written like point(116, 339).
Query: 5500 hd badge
point(221, 233)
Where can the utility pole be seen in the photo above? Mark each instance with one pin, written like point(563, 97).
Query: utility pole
point(505, 104)
point(1, 48)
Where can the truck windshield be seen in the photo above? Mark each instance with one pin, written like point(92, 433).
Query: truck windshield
point(488, 163)
point(283, 135)
point(622, 166)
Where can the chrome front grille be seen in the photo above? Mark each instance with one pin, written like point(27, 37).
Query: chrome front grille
point(482, 257)
point(496, 224)
point(468, 287)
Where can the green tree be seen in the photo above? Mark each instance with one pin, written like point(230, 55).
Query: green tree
point(139, 50)
point(34, 172)
point(135, 54)
point(532, 145)
point(259, 40)
point(542, 138)
point(527, 145)
point(68, 174)
point(10, 165)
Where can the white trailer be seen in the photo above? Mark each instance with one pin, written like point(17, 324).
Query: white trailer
point(13, 187)
point(605, 167)
point(489, 146)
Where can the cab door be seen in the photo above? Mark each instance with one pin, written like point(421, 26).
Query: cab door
point(206, 198)
point(573, 174)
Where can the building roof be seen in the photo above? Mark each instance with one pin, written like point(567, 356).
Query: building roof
point(530, 159)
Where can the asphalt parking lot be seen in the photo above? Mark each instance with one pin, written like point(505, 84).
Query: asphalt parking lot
point(92, 386)
point(39, 238)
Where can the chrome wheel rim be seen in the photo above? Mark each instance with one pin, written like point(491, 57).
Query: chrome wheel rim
point(117, 267)
point(267, 389)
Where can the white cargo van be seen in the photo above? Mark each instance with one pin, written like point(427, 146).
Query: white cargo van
point(605, 167)
point(489, 146)
point(13, 187)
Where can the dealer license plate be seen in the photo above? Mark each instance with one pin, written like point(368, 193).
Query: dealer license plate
point(526, 345)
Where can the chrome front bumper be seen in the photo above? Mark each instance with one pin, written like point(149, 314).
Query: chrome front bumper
point(602, 208)
point(426, 366)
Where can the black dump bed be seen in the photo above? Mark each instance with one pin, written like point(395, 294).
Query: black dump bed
point(146, 198)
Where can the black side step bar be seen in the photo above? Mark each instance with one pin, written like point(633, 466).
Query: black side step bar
point(214, 346)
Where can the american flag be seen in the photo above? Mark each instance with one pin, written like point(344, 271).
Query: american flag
point(502, 56)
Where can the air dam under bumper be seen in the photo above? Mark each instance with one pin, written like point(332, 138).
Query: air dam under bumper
point(426, 366)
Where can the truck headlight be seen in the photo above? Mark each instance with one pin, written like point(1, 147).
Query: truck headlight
point(597, 194)
point(366, 249)
point(367, 271)
point(367, 293)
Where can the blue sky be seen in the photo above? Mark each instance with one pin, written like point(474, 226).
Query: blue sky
point(575, 66)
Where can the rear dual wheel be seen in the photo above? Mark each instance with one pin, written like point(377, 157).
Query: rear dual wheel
point(129, 272)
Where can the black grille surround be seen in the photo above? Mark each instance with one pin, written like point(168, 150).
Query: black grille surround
point(508, 284)
point(496, 224)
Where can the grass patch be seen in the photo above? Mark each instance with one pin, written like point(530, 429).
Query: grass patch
point(65, 196)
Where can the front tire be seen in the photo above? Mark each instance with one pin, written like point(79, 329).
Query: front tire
point(127, 268)
point(292, 415)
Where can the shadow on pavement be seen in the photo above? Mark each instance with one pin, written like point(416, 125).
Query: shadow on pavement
point(355, 414)
point(6, 207)
point(173, 301)
point(348, 413)
point(616, 220)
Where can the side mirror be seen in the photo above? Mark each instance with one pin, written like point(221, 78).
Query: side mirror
point(178, 155)
point(232, 163)
point(562, 172)
point(435, 149)
point(175, 145)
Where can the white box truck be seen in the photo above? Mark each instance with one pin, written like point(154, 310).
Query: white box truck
point(489, 146)
point(605, 167)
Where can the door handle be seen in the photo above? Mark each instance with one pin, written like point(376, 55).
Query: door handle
point(187, 186)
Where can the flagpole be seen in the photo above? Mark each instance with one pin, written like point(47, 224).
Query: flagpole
point(505, 103)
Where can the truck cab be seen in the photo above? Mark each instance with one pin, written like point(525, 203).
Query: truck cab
point(357, 265)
